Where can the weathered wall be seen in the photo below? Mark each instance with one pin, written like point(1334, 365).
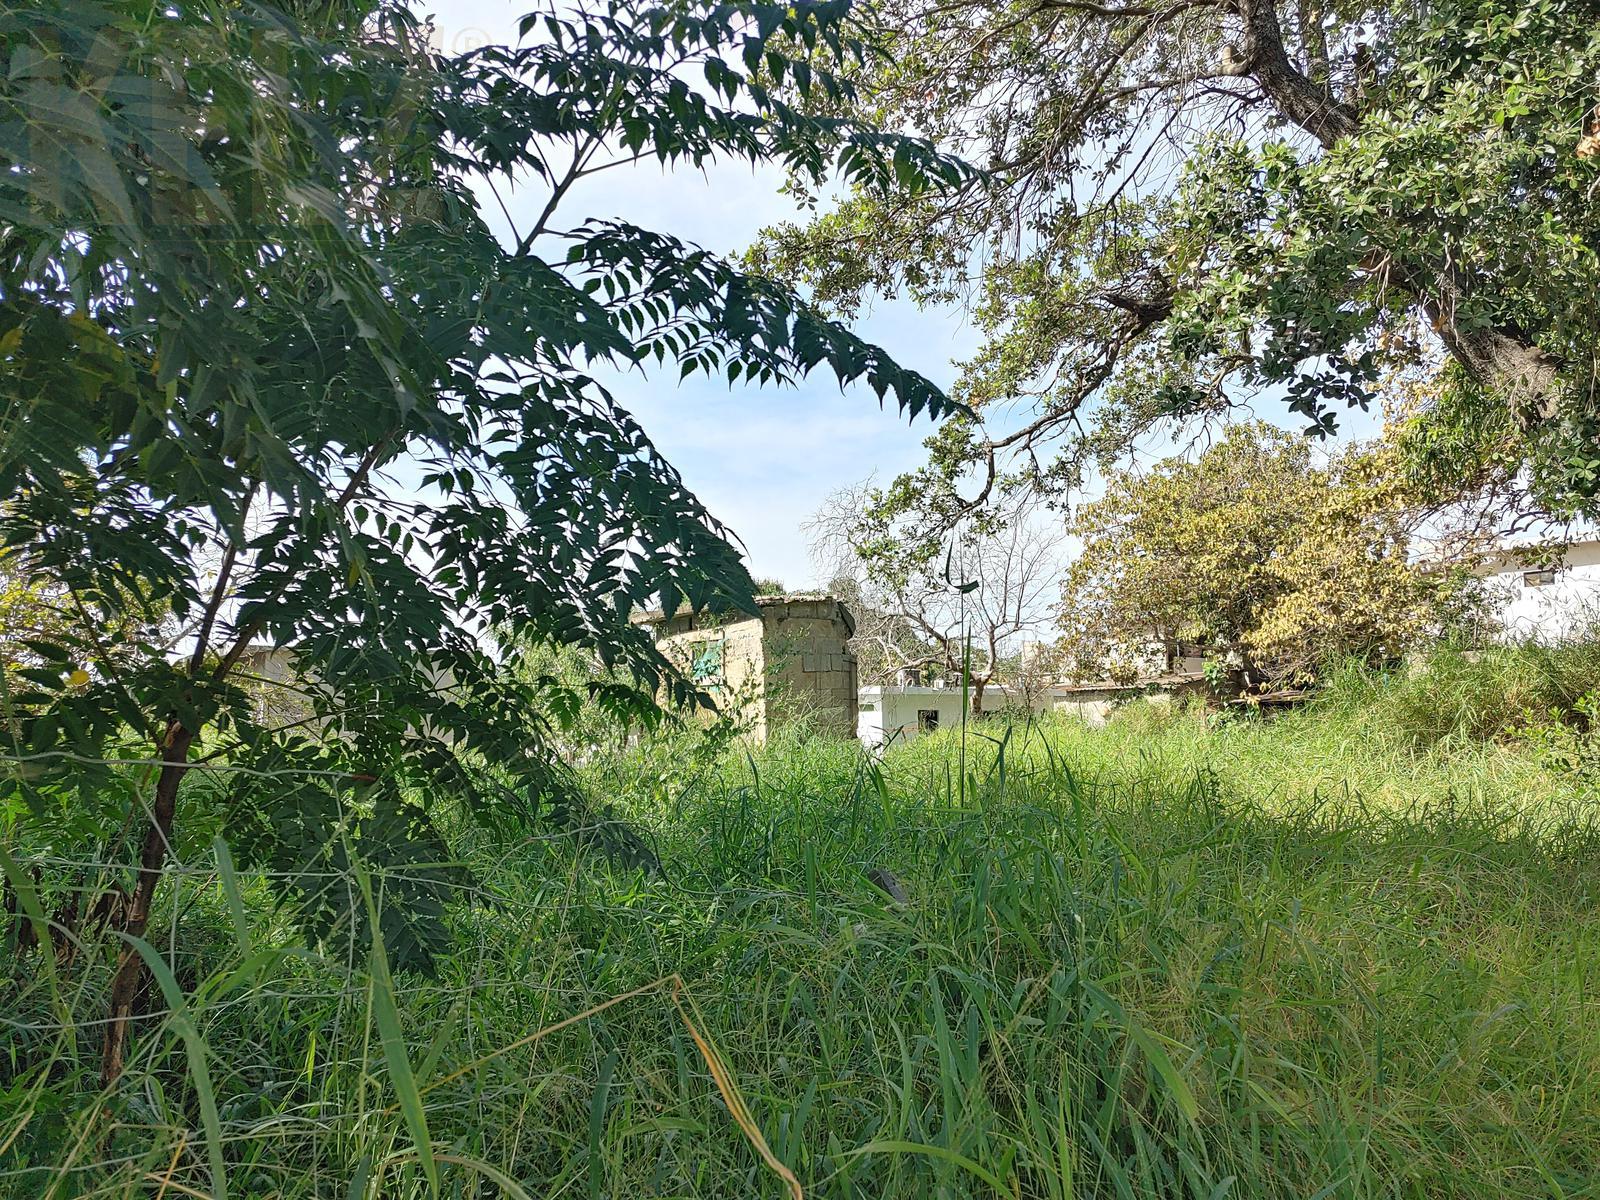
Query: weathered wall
point(1092, 708)
point(893, 714)
point(893, 717)
point(726, 661)
point(810, 672)
point(276, 688)
point(1530, 608)
point(1094, 705)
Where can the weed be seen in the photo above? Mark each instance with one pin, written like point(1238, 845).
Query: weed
point(1339, 953)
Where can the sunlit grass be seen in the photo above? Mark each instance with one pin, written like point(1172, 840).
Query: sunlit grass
point(1317, 956)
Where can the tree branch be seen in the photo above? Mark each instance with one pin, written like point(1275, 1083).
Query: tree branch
point(1295, 96)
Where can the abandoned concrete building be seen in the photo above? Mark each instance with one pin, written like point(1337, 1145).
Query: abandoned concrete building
point(1543, 592)
point(791, 660)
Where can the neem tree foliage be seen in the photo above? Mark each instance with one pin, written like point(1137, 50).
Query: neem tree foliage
point(1190, 202)
point(269, 377)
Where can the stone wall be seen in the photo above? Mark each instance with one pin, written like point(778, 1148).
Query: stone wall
point(726, 660)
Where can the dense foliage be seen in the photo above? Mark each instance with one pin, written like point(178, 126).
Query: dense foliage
point(28, 613)
point(1271, 561)
point(1192, 205)
point(315, 524)
point(270, 377)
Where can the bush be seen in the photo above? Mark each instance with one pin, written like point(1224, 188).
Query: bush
point(1454, 697)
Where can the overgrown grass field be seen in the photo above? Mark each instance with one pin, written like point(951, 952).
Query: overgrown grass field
point(1353, 951)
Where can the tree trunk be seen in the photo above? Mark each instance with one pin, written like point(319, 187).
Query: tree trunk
point(129, 978)
point(1510, 363)
point(1503, 358)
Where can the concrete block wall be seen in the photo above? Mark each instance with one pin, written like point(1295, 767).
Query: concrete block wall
point(809, 665)
point(737, 689)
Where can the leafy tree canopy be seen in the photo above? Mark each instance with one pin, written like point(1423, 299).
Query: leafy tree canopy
point(28, 613)
point(1192, 203)
point(269, 377)
point(1256, 551)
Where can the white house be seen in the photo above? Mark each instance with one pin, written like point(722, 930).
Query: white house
point(901, 713)
point(1545, 601)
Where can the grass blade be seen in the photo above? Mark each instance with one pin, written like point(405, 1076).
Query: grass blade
point(597, 1123)
point(194, 1047)
point(392, 1037)
point(944, 1153)
point(230, 888)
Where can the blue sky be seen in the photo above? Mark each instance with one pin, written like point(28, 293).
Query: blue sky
point(762, 459)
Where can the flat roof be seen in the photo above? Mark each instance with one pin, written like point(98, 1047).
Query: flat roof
point(1506, 555)
point(655, 615)
point(927, 689)
point(1055, 689)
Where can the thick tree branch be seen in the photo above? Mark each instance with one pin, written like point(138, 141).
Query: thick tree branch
point(1296, 97)
point(1314, 42)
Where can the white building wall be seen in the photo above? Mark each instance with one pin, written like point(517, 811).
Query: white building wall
point(1533, 606)
point(891, 715)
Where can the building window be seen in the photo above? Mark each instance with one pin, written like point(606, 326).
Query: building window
point(1541, 578)
point(705, 662)
point(927, 719)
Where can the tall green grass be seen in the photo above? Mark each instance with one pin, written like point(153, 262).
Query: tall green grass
point(1316, 956)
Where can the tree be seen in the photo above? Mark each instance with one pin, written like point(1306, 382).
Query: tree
point(270, 377)
point(26, 615)
point(1258, 553)
point(960, 607)
point(1192, 203)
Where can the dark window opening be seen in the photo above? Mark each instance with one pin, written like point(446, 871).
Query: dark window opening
point(927, 719)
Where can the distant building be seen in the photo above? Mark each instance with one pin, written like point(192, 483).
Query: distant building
point(1135, 661)
point(1095, 701)
point(1547, 595)
point(891, 715)
point(277, 690)
point(791, 660)
point(905, 712)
